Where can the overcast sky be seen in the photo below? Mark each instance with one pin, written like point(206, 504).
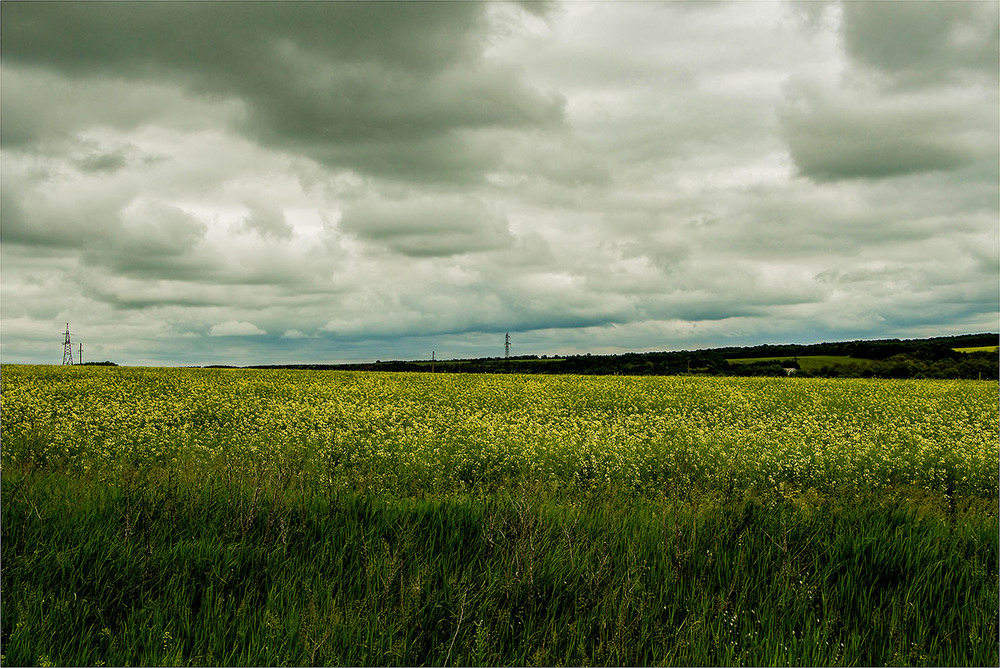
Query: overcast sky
point(195, 183)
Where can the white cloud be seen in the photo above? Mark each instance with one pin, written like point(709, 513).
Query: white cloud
point(236, 328)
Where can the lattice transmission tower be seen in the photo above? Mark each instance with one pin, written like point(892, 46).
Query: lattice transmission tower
point(67, 347)
point(506, 345)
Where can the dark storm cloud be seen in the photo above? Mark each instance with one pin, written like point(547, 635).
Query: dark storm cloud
point(355, 85)
point(103, 162)
point(418, 317)
point(834, 137)
point(537, 7)
point(45, 108)
point(45, 206)
point(150, 239)
point(429, 227)
point(920, 43)
point(117, 230)
point(230, 41)
point(454, 157)
point(141, 302)
point(913, 98)
point(267, 221)
point(32, 218)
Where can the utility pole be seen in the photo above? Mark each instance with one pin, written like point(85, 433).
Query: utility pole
point(80, 358)
point(67, 347)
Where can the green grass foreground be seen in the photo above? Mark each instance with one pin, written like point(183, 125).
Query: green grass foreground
point(195, 517)
point(171, 572)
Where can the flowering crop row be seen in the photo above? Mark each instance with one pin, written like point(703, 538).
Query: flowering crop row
point(454, 430)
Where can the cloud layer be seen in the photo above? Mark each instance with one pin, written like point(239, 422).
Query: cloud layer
point(275, 182)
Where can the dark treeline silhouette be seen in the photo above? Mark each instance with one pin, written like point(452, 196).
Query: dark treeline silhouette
point(890, 358)
point(982, 365)
point(880, 349)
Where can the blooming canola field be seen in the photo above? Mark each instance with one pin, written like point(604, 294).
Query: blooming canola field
point(412, 432)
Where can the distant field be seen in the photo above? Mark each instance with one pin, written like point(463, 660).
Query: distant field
point(808, 362)
point(977, 349)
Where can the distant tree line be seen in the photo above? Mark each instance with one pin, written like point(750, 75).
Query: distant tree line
point(940, 346)
point(893, 358)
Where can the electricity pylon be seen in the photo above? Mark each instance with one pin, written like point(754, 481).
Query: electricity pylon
point(67, 347)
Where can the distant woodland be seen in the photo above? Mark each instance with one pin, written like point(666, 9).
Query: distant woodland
point(970, 356)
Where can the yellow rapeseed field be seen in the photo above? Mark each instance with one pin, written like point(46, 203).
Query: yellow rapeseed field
point(448, 431)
